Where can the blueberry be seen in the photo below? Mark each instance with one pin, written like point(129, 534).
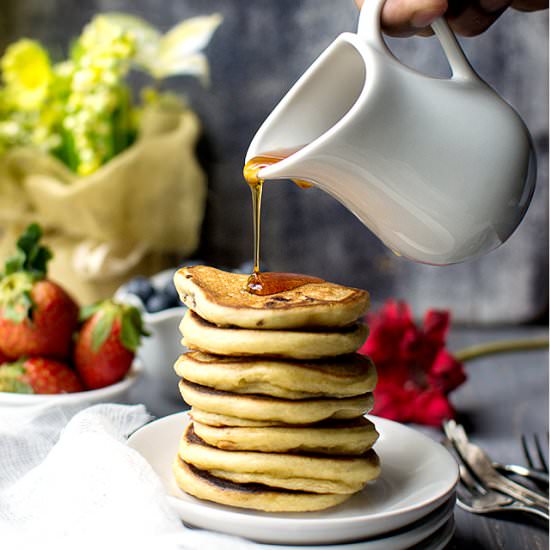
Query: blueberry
point(141, 287)
point(159, 302)
point(170, 290)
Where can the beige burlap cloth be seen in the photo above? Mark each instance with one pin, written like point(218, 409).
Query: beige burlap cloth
point(132, 215)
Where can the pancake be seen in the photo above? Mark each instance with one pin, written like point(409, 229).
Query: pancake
point(310, 485)
point(347, 437)
point(260, 407)
point(204, 336)
point(205, 486)
point(221, 298)
point(285, 470)
point(344, 376)
point(222, 420)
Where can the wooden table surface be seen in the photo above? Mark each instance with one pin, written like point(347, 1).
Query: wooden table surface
point(505, 396)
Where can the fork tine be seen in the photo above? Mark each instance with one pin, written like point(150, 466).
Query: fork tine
point(467, 477)
point(543, 462)
point(469, 482)
point(466, 488)
point(464, 496)
point(526, 452)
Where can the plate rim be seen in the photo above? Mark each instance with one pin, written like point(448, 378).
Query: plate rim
point(446, 516)
point(429, 503)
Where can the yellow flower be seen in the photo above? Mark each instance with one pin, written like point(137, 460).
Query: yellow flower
point(27, 72)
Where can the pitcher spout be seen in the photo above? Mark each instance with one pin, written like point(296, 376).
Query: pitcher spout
point(309, 114)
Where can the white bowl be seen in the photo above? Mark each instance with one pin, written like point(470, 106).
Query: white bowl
point(159, 351)
point(115, 393)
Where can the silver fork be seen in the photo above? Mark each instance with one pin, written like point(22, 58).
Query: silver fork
point(534, 474)
point(476, 498)
point(541, 470)
point(480, 464)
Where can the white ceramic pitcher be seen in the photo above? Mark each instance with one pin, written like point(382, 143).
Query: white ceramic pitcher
point(440, 169)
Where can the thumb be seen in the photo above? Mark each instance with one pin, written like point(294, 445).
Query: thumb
point(407, 17)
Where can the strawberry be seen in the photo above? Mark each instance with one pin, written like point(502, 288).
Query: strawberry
point(107, 342)
point(37, 317)
point(39, 375)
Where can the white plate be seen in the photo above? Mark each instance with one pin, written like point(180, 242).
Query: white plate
point(439, 540)
point(426, 533)
point(113, 393)
point(418, 475)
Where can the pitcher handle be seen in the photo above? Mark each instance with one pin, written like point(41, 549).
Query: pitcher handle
point(370, 31)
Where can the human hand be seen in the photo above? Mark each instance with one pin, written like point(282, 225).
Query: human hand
point(466, 17)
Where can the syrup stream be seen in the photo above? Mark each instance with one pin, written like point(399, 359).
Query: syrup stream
point(259, 283)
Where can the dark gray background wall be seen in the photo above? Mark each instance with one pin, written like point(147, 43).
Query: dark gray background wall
point(262, 47)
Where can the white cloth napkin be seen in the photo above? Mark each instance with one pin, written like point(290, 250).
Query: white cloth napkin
point(69, 480)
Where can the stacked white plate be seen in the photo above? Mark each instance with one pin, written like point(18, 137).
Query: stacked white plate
point(410, 504)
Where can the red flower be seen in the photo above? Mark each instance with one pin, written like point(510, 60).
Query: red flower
point(415, 371)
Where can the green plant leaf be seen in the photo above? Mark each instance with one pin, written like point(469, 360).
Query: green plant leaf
point(102, 327)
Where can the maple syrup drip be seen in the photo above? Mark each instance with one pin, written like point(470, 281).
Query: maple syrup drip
point(256, 190)
point(255, 164)
point(264, 284)
point(267, 283)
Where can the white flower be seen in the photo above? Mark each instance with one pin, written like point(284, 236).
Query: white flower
point(178, 52)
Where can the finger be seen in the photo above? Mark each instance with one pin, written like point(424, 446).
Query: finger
point(530, 5)
point(408, 17)
point(471, 19)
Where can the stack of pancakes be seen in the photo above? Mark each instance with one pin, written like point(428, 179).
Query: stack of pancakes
point(277, 394)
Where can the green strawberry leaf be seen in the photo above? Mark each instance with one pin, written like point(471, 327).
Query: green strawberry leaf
point(37, 260)
point(14, 385)
point(10, 378)
point(102, 327)
point(29, 238)
point(135, 314)
point(131, 328)
point(87, 311)
point(20, 309)
point(30, 255)
point(15, 297)
point(14, 263)
point(130, 337)
point(12, 370)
